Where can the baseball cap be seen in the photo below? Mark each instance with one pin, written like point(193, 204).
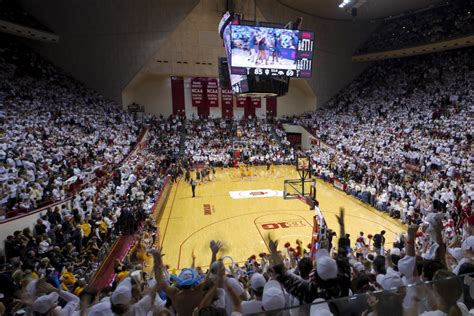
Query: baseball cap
point(123, 292)
point(320, 308)
point(389, 281)
point(187, 277)
point(468, 244)
point(356, 265)
point(44, 303)
point(326, 267)
point(395, 251)
point(359, 267)
point(101, 309)
point(457, 253)
point(257, 281)
point(273, 296)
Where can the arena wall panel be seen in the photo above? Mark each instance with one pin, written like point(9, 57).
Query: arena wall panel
point(105, 43)
point(153, 92)
point(28, 220)
point(305, 135)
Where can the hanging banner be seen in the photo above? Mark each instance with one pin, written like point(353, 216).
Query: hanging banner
point(241, 102)
point(256, 102)
point(196, 92)
point(177, 95)
point(272, 106)
point(226, 98)
point(212, 92)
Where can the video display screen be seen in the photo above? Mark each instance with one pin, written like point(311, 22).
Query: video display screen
point(269, 51)
point(238, 81)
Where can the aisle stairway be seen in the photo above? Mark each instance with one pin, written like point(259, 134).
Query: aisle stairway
point(275, 135)
point(182, 140)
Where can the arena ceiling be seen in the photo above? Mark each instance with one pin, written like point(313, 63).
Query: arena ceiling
point(106, 44)
point(371, 9)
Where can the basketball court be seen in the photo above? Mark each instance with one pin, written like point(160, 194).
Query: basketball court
point(244, 213)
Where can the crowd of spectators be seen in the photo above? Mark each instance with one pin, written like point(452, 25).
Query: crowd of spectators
point(449, 19)
point(214, 141)
point(260, 144)
point(39, 160)
point(208, 141)
point(401, 136)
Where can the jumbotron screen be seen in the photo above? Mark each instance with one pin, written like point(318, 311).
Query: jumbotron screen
point(271, 51)
point(238, 81)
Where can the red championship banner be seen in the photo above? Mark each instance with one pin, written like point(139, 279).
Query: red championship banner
point(212, 92)
point(177, 95)
point(196, 91)
point(272, 106)
point(227, 100)
point(256, 102)
point(241, 102)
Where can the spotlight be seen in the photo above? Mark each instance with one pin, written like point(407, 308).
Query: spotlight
point(344, 3)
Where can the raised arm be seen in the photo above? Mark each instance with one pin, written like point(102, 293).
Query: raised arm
point(410, 243)
point(441, 252)
point(306, 291)
point(215, 247)
point(158, 271)
point(340, 220)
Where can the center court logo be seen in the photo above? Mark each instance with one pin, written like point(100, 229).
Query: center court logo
point(252, 194)
point(283, 224)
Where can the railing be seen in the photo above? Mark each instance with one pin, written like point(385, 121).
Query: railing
point(440, 295)
point(100, 270)
point(417, 49)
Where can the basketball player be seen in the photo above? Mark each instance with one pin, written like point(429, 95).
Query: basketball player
point(252, 47)
point(249, 173)
point(276, 48)
point(198, 176)
point(242, 172)
point(187, 176)
point(193, 186)
point(262, 51)
point(272, 170)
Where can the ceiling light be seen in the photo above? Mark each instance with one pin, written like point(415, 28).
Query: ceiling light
point(344, 3)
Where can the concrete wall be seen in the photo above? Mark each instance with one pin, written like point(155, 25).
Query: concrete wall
point(105, 43)
point(305, 135)
point(9, 226)
point(192, 48)
point(154, 93)
point(300, 99)
point(151, 91)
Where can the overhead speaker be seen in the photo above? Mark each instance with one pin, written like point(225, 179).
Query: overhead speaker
point(224, 77)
